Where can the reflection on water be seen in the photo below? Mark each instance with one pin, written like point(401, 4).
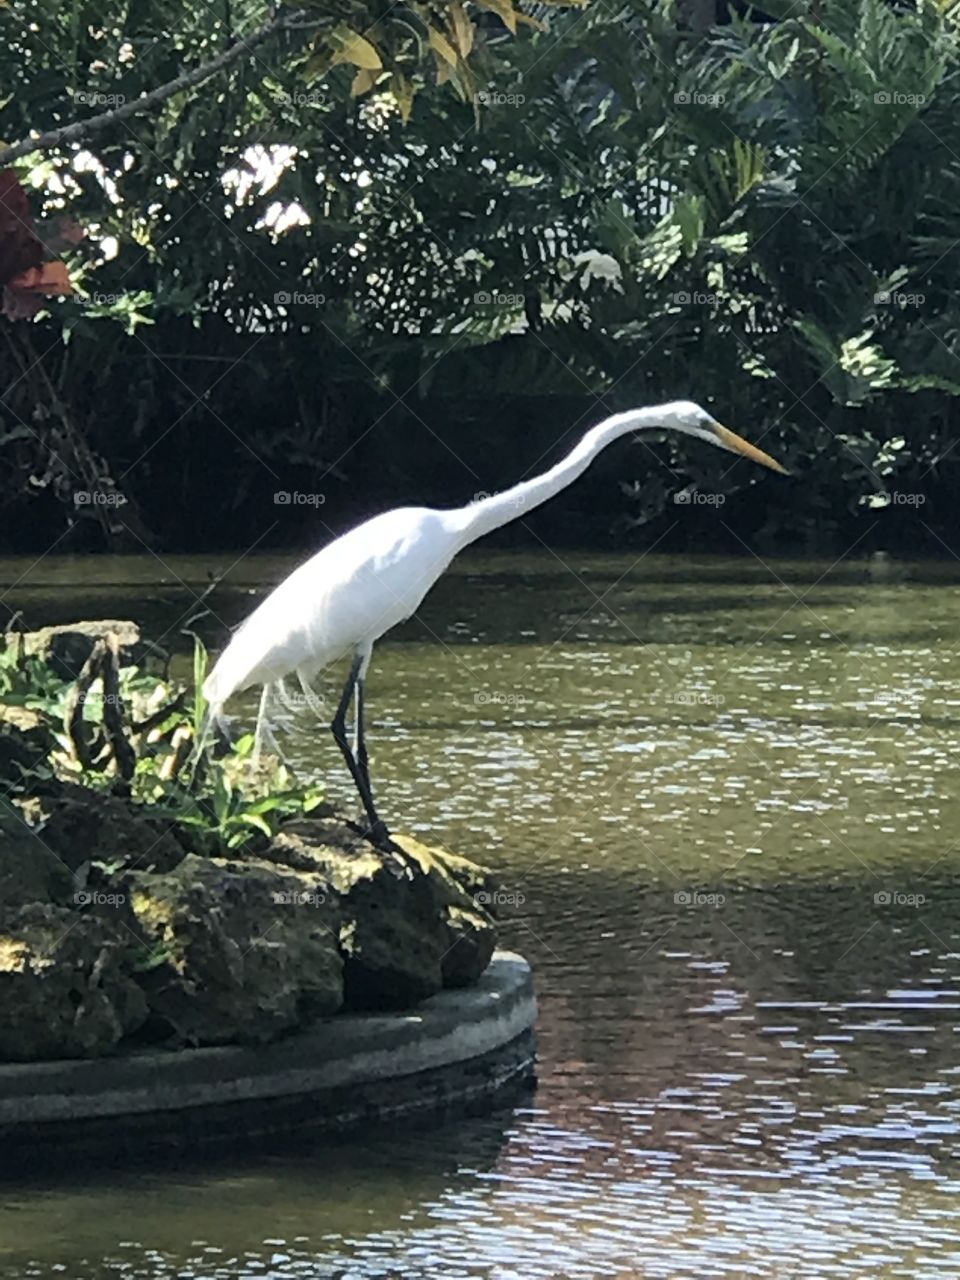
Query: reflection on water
point(723, 799)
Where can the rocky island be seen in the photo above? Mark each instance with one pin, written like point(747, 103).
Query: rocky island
point(141, 921)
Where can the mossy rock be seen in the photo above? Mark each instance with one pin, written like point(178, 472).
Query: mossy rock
point(81, 826)
point(237, 950)
point(66, 989)
point(26, 742)
point(30, 870)
point(179, 948)
point(461, 889)
point(65, 648)
point(409, 926)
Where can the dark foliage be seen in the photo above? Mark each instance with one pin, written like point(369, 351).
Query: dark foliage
point(289, 289)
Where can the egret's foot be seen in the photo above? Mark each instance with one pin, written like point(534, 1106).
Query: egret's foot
point(375, 832)
point(379, 836)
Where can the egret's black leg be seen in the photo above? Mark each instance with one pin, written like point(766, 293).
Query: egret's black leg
point(360, 775)
point(360, 734)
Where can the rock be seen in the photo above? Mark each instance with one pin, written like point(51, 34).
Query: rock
point(67, 647)
point(110, 928)
point(30, 871)
point(109, 829)
point(26, 741)
point(461, 889)
point(391, 938)
point(406, 930)
point(65, 986)
point(241, 950)
point(473, 940)
point(478, 881)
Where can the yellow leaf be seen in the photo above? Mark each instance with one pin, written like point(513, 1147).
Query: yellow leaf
point(444, 72)
point(504, 11)
point(462, 28)
point(363, 82)
point(355, 49)
point(403, 91)
point(440, 44)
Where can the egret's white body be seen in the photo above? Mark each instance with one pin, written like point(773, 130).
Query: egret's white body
point(340, 601)
point(363, 583)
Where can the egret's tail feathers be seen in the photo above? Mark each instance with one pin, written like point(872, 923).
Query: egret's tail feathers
point(217, 688)
point(315, 701)
point(263, 733)
point(213, 718)
point(244, 662)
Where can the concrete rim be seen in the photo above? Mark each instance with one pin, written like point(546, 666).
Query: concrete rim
point(345, 1052)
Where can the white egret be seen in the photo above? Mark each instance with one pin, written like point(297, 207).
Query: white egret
point(343, 599)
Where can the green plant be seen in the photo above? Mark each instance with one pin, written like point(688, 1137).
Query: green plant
point(234, 803)
point(26, 680)
point(223, 804)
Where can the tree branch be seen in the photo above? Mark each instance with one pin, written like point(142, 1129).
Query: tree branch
point(297, 20)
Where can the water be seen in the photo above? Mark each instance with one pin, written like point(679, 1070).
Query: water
point(722, 796)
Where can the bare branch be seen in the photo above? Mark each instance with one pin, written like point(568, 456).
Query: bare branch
point(297, 20)
point(123, 752)
point(90, 754)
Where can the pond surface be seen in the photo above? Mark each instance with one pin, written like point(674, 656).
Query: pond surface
point(723, 799)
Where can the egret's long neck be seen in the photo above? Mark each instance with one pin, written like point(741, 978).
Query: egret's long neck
point(482, 517)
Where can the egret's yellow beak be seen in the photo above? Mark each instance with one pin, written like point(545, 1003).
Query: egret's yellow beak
point(736, 444)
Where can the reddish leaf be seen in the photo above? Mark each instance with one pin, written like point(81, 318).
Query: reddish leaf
point(23, 295)
point(49, 279)
point(25, 278)
point(19, 247)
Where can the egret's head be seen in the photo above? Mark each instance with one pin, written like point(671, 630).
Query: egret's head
point(685, 416)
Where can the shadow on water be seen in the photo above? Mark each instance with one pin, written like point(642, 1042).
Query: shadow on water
point(280, 1196)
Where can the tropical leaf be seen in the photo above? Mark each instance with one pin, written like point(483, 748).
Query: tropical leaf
point(356, 49)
